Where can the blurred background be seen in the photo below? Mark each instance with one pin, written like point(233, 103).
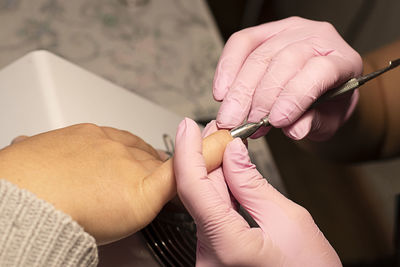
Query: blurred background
point(167, 51)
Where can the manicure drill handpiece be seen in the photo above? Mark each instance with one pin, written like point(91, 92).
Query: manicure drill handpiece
point(246, 130)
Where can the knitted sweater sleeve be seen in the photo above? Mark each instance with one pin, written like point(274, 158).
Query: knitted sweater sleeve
point(33, 233)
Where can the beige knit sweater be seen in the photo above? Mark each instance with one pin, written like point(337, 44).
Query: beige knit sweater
point(33, 233)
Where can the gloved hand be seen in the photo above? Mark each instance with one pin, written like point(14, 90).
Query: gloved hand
point(287, 234)
point(281, 68)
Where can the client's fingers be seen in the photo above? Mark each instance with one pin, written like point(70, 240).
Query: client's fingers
point(214, 147)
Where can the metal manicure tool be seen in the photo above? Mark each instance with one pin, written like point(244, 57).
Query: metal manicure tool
point(247, 129)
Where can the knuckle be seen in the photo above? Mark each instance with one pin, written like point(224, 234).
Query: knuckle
point(238, 36)
point(330, 68)
point(88, 127)
point(235, 37)
point(326, 26)
point(296, 19)
point(288, 54)
point(243, 38)
point(111, 146)
point(240, 92)
point(259, 57)
point(301, 214)
point(128, 133)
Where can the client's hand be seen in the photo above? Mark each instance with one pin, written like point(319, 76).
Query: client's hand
point(287, 234)
point(110, 181)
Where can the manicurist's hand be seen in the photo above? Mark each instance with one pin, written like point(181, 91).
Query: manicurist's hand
point(281, 68)
point(110, 181)
point(287, 234)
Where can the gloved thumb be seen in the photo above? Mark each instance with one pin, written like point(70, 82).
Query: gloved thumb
point(195, 189)
point(249, 187)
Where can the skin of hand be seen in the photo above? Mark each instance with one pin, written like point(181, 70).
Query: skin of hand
point(110, 181)
point(287, 234)
point(279, 69)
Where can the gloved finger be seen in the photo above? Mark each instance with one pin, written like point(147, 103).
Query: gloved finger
point(239, 47)
point(194, 187)
point(263, 202)
point(237, 101)
point(260, 132)
point(321, 123)
point(209, 129)
point(217, 180)
point(318, 75)
point(302, 127)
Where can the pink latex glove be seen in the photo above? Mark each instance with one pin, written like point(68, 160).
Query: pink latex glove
point(281, 68)
point(287, 235)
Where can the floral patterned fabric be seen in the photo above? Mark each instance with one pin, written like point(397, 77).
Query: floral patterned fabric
point(163, 50)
